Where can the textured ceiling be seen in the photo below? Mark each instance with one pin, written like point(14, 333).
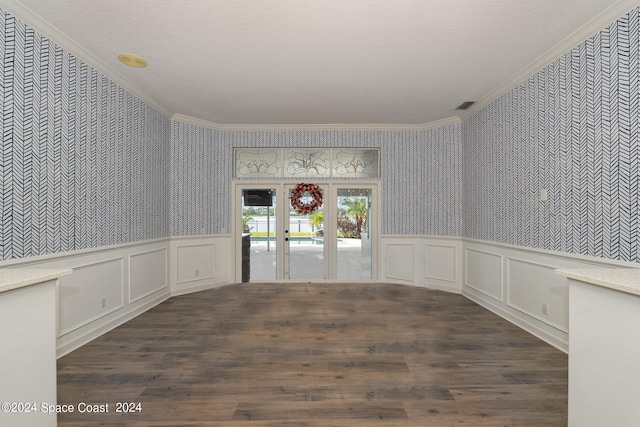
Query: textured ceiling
point(291, 62)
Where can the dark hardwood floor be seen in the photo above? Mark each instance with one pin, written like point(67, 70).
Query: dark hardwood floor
point(311, 355)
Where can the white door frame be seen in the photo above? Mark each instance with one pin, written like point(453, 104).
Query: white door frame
point(330, 189)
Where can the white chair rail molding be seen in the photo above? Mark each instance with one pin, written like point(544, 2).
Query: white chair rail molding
point(604, 350)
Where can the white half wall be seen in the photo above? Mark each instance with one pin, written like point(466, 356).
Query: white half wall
point(603, 365)
point(28, 357)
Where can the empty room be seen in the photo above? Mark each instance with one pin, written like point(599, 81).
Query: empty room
point(322, 214)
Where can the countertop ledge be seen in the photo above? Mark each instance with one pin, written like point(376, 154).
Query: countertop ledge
point(15, 278)
point(620, 279)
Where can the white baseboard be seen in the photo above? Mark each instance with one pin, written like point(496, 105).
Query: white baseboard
point(556, 338)
point(199, 288)
point(97, 328)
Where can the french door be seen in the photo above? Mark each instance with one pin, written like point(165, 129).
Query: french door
point(276, 242)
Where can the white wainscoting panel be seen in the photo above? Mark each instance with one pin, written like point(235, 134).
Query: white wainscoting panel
point(400, 261)
point(148, 273)
point(537, 291)
point(483, 272)
point(200, 262)
point(529, 283)
point(112, 285)
point(91, 292)
point(196, 262)
point(96, 297)
point(443, 260)
point(427, 261)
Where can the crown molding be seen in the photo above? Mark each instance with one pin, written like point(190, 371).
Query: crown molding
point(30, 18)
point(594, 26)
point(309, 127)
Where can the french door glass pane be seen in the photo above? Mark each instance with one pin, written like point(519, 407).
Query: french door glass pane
point(353, 234)
point(259, 222)
point(306, 245)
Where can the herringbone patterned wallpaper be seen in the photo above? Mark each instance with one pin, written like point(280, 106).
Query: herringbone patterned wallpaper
point(421, 175)
point(82, 162)
point(572, 128)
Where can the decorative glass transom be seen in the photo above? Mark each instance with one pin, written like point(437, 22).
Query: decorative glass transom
point(363, 163)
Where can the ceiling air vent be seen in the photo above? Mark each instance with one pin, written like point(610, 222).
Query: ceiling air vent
point(465, 105)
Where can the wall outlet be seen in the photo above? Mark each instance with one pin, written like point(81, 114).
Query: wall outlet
point(103, 302)
point(545, 309)
point(544, 195)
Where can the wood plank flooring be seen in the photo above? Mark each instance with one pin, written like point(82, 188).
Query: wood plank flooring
point(317, 355)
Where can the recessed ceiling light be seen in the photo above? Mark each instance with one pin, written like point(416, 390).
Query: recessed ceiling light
point(132, 60)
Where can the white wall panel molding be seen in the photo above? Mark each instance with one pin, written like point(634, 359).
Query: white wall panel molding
point(96, 290)
point(529, 283)
point(434, 262)
point(148, 273)
point(399, 259)
point(514, 282)
point(534, 289)
point(444, 270)
point(483, 272)
point(195, 262)
point(539, 329)
point(200, 262)
point(110, 286)
point(443, 264)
